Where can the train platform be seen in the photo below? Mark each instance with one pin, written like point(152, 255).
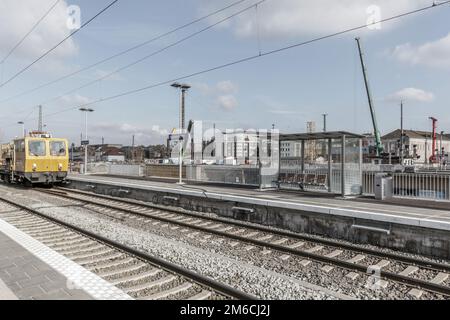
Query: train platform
point(410, 212)
point(414, 226)
point(30, 270)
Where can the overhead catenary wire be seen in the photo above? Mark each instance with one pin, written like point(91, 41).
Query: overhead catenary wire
point(127, 66)
point(58, 44)
point(250, 58)
point(121, 53)
point(29, 32)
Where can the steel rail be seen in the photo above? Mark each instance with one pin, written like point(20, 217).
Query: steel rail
point(332, 243)
point(163, 264)
point(416, 283)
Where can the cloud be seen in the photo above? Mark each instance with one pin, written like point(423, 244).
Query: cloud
point(75, 100)
point(294, 18)
point(227, 102)
point(412, 95)
point(18, 16)
point(227, 87)
point(224, 93)
point(433, 54)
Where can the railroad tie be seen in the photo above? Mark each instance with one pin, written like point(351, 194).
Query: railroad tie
point(440, 278)
point(416, 293)
point(334, 254)
point(169, 292)
point(156, 283)
point(251, 234)
point(119, 267)
point(226, 229)
point(305, 263)
point(135, 277)
point(265, 238)
point(285, 257)
point(280, 242)
point(327, 269)
point(193, 234)
point(296, 245)
point(383, 263)
point(331, 255)
point(357, 258)
point(408, 271)
point(352, 275)
point(315, 249)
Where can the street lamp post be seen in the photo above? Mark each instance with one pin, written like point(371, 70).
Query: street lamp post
point(23, 127)
point(86, 142)
point(184, 88)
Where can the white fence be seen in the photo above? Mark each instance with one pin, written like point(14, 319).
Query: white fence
point(428, 186)
point(130, 170)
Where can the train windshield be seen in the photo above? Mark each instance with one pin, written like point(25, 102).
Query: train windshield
point(36, 148)
point(58, 148)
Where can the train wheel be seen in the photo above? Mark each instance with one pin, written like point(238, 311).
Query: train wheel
point(27, 184)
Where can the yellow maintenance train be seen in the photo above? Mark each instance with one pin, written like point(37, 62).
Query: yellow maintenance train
point(35, 159)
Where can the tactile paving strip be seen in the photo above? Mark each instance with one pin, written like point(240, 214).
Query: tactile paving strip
point(77, 276)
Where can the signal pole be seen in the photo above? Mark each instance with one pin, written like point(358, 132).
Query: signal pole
point(325, 115)
point(40, 119)
point(402, 142)
point(86, 142)
point(184, 88)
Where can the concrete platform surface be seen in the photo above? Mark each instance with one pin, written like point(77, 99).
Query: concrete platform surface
point(23, 276)
point(360, 209)
point(29, 270)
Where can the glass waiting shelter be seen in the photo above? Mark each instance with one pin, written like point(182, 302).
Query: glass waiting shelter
point(328, 162)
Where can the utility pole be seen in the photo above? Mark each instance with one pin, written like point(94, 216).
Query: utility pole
point(441, 150)
point(184, 88)
point(40, 119)
point(402, 142)
point(86, 142)
point(433, 151)
point(23, 128)
point(325, 115)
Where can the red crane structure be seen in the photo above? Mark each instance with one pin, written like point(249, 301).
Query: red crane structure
point(433, 158)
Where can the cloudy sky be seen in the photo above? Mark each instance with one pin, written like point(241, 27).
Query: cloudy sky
point(407, 59)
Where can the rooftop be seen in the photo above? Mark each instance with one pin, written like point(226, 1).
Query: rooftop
point(319, 136)
point(415, 134)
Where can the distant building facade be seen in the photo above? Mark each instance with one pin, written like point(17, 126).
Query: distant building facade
point(109, 154)
point(417, 144)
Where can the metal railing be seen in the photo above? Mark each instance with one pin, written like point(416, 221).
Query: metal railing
point(426, 186)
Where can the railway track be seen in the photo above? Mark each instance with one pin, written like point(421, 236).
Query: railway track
point(420, 275)
point(138, 274)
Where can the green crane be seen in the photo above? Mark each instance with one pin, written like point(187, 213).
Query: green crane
point(379, 145)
